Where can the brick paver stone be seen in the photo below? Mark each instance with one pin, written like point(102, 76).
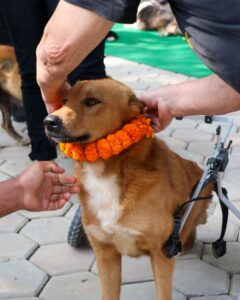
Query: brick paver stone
point(144, 291)
point(190, 135)
point(14, 246)
point(67, 260)
point(47, 230)
point(15, 167)
point(235, 286)
point(74, 286)
point(19, 278)
point(205, 149)
point(197, 278)
point(219, 297)
point(210, 231)
point(134, 269)
point(229, 262)
point(12, 223)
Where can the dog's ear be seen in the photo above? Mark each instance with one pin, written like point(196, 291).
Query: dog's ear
point(72, 92)
point(134, 108)
point(135, 102)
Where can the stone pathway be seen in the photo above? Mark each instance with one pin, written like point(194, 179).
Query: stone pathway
point(37, 263)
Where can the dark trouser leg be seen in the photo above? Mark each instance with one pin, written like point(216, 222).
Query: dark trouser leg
point(25, 21)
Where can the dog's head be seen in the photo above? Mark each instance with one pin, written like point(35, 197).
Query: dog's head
point(10, 79)
point(92, 109)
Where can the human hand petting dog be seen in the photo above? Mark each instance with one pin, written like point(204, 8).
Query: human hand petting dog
point(205, 96)
point(42, 186)
point(157, 109)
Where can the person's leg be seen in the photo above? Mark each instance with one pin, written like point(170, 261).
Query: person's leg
point(26, 21)
point(5, 38)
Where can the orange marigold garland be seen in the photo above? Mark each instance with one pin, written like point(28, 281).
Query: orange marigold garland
point(104, 148)
point(113, 144)
point(91, 152)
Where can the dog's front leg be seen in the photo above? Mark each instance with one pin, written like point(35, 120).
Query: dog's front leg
point(109, 267)
point(163, 272)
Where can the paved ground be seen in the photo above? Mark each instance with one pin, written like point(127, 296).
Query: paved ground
point(37, 263)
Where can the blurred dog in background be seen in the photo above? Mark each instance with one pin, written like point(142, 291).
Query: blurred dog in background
point(157, 15)
point(10, 91)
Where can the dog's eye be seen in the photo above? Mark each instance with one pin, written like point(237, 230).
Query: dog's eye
point(89, 102)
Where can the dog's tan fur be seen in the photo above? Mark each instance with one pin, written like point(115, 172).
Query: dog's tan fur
point(146, 183)
point(10, 90)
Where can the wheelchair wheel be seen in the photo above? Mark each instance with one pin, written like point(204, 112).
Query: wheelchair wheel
point(76, 236)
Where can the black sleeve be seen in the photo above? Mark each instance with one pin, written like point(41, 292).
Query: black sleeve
point(120, 11)
point(213, 28)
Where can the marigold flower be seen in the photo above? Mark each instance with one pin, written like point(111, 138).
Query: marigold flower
point(115, 143)
point(124, 138)
point(133, 131)
point(104, 148)
point(91, 152)
point(78, 152)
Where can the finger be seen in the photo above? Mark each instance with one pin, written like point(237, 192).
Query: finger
point(58, 197)
point(59, 189)
point(64, 179)
point(75, 189)
point(54, 168)
point(149, 99)
point(50, 166)
point(51, 107)
point(57, 204)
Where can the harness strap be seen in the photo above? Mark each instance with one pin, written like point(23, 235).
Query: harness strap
point(173, 245)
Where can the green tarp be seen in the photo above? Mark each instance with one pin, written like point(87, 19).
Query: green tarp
point(148, 47)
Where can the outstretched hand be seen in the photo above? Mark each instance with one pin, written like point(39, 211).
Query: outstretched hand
point(44, 187)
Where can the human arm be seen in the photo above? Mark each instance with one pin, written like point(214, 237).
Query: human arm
point(70, 35)
point(206, 96)
point(42, 186)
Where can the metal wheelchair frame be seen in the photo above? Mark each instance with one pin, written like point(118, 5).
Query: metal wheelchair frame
point(215, 165)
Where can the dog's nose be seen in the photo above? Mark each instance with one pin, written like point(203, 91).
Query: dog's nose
point(52, 123)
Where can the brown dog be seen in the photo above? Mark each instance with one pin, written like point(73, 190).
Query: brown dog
point(128, 200)
point(10, 90)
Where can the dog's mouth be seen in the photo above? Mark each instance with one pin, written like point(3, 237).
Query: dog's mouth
point(56, 131)
point(64, 138)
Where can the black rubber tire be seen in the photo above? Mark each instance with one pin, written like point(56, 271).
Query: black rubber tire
point(76, 236)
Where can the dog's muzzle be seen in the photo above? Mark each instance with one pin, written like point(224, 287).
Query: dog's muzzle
point(53, 124)
point(56, 131)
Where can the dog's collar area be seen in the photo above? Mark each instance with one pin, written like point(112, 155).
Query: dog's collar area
point(112, 144)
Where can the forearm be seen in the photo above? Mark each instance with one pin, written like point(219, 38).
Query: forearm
point(207, 96)
point(70, 35)
point(10, 196)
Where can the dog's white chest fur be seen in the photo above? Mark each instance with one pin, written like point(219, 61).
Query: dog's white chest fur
point(104, 195)
point(104, 202)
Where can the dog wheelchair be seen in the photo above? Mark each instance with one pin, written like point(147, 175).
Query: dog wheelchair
point(216, 164)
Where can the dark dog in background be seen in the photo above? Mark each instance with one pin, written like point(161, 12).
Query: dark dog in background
point(10, 91)
point(157, 15)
